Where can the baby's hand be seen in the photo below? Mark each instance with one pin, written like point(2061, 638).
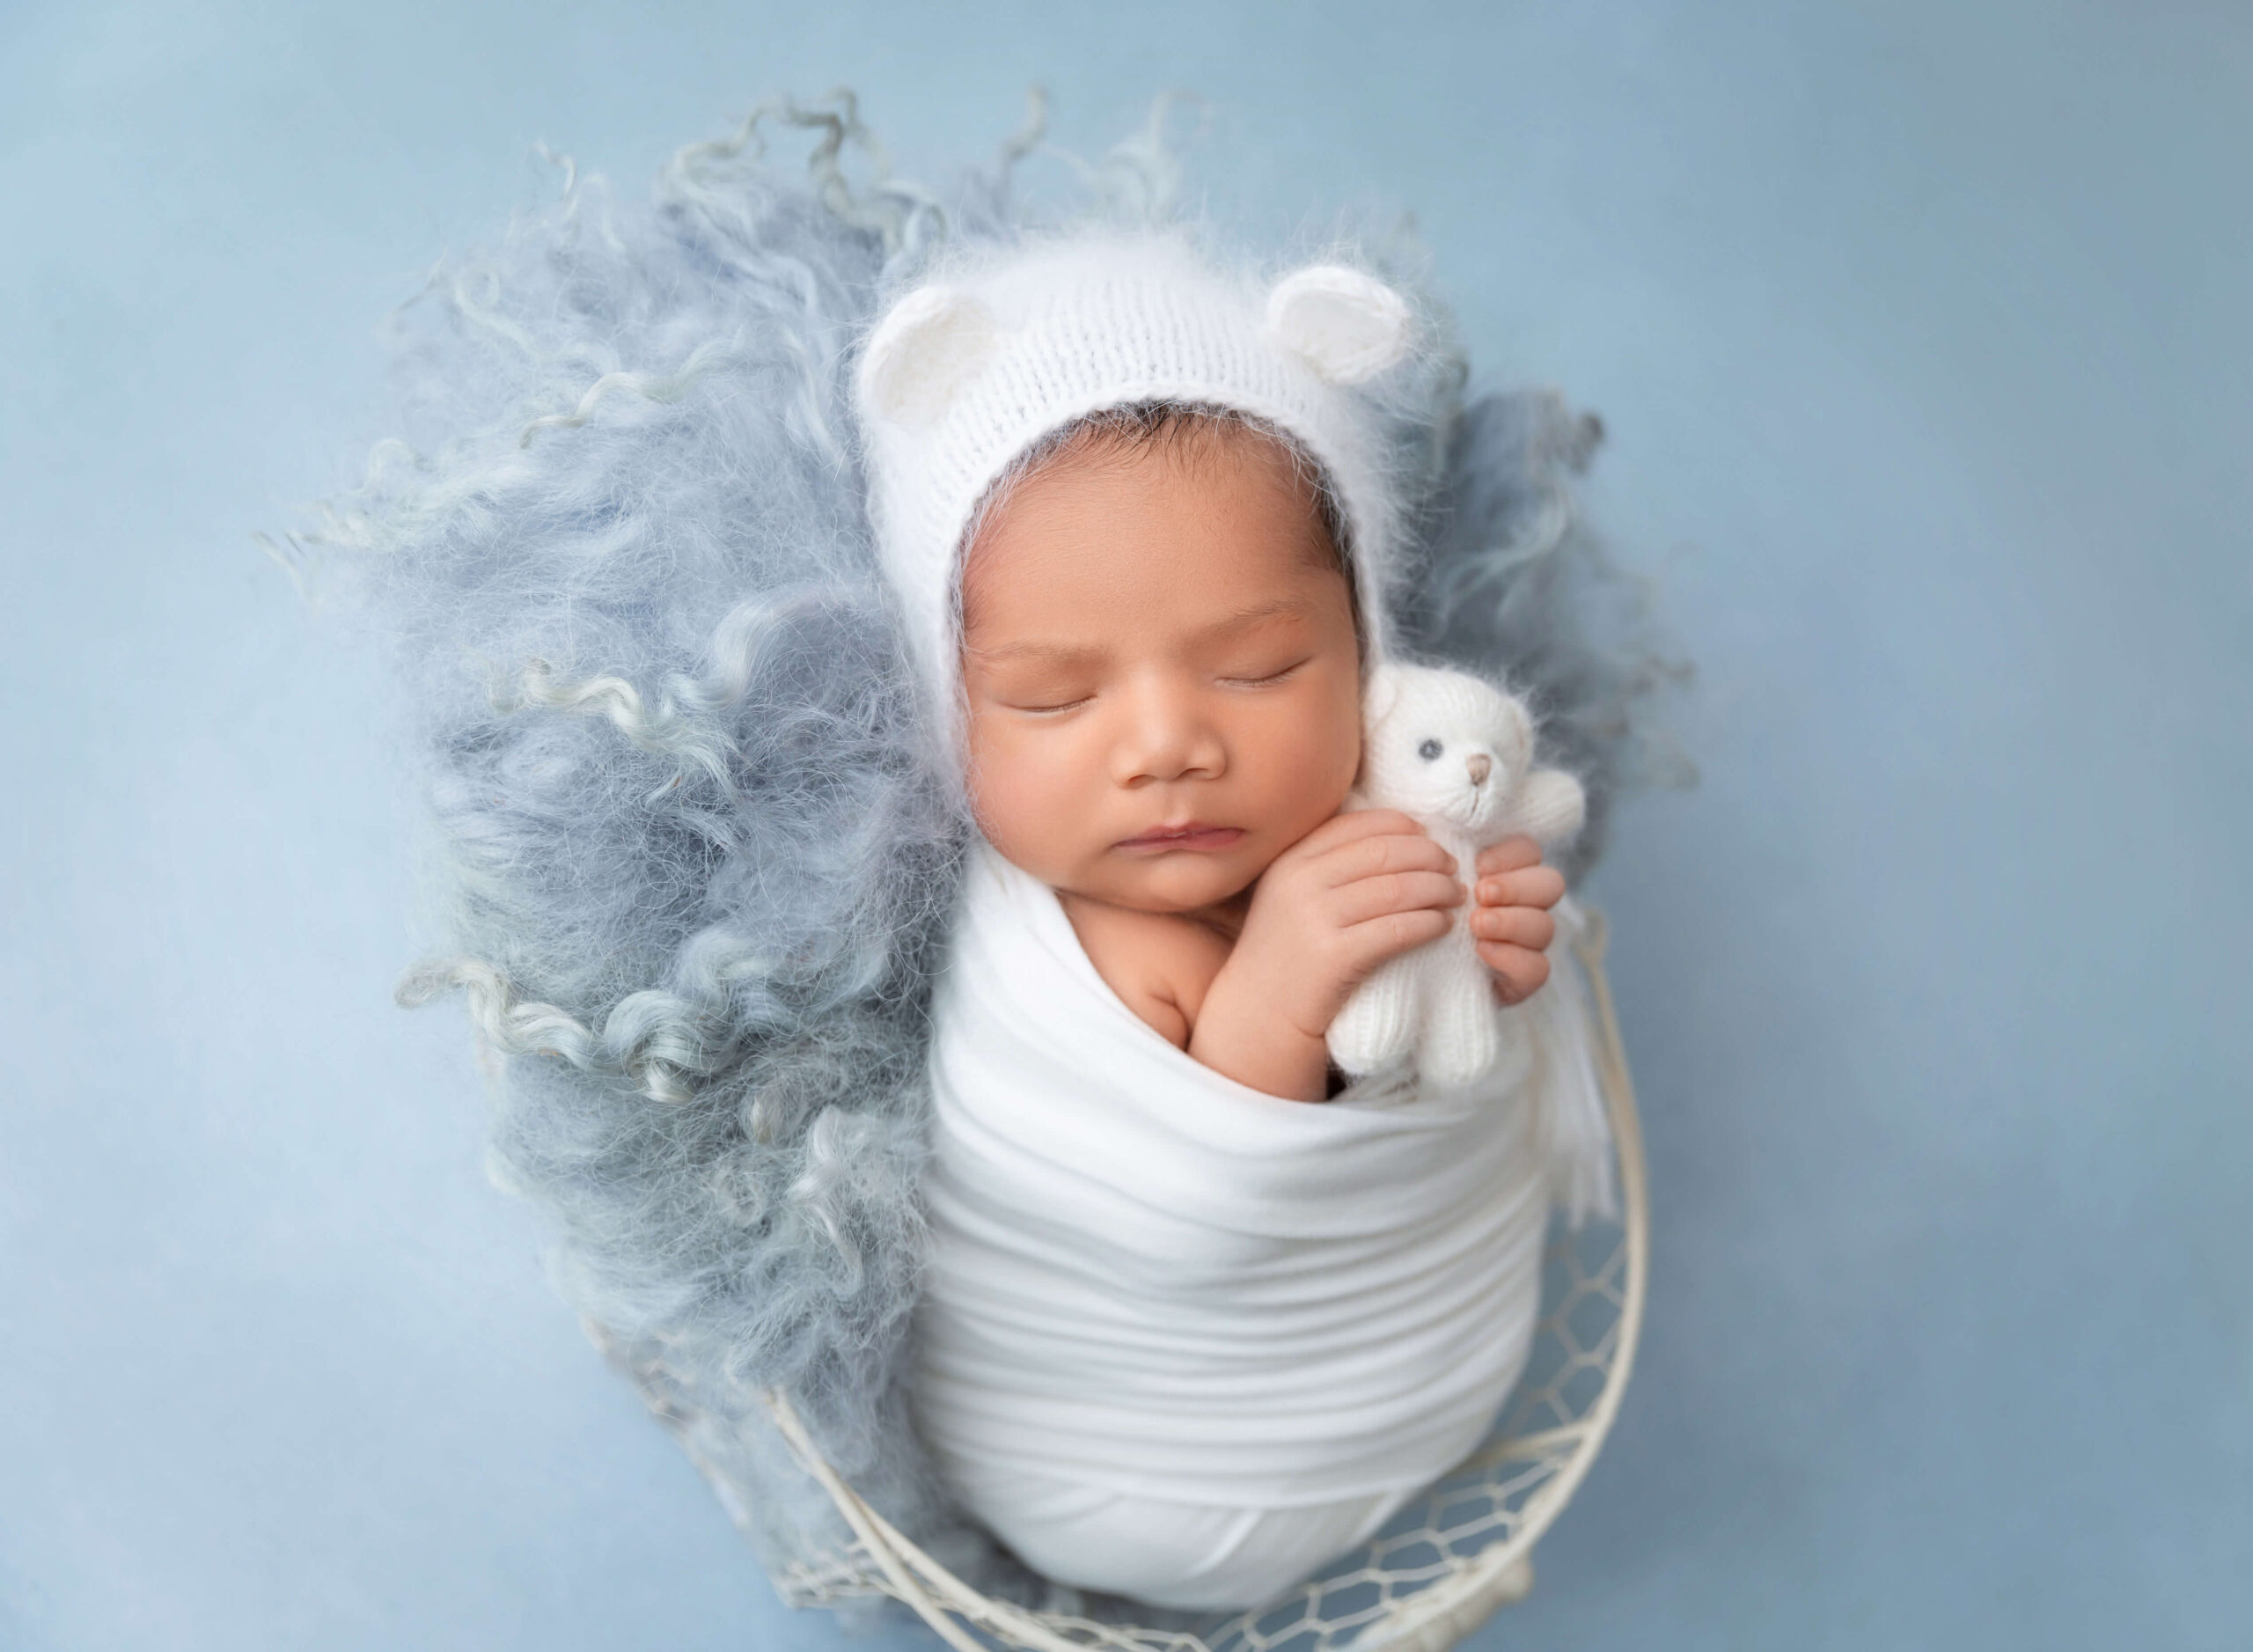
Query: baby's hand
point(1357, 889)
point(1511, 922)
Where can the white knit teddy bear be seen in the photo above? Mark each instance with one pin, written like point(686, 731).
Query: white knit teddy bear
point(1456, 753)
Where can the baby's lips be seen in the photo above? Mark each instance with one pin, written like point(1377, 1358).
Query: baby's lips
point(1193, 834)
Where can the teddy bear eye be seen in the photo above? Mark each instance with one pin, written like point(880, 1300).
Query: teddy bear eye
point(1428, 750)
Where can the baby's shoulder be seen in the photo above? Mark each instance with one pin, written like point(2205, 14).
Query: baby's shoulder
point(1159, 964)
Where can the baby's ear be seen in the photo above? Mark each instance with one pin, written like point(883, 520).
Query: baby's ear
point(1346, 326)
point(931, 344)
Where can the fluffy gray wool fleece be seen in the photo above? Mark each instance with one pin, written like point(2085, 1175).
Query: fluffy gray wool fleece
point(697, 854)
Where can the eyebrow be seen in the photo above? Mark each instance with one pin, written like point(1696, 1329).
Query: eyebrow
point(1063, 652)
point(1245, 617)
point(1066, 653)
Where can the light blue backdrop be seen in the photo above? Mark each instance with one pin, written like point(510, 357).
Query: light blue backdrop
point(1924, 334)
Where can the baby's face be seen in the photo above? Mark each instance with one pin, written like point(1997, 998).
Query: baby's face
point(1161, 671)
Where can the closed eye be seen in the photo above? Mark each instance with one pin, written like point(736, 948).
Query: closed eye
point(1271, 678)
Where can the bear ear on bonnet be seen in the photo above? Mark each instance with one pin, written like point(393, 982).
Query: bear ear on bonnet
point(1346, 326)
point(933, 342)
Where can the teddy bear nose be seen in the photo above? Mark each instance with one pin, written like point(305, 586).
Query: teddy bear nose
point(1480, 766)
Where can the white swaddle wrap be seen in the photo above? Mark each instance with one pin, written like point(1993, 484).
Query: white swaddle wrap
point(1181, 1340)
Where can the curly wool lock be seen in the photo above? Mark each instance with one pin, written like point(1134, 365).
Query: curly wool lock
point(700, 847)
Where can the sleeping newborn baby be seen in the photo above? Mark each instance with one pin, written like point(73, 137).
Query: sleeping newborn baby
point(1162, 671)
point(1193, 1325)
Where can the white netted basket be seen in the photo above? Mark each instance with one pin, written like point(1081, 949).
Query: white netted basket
point(1443, 1564)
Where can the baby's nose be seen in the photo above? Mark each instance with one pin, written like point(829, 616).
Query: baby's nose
point(1480, 766)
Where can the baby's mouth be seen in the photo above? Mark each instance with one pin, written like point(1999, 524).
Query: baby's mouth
point(1192, 835)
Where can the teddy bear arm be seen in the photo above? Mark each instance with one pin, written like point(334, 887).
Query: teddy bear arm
point(1551, 806)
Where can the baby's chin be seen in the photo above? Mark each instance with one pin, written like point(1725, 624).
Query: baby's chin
point(1184, 881)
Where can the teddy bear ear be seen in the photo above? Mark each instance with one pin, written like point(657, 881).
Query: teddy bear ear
point(1520, 723)
point(1379, 693)
point(1348, 327)
point(931, 344)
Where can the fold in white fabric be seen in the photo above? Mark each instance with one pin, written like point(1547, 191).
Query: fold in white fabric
point(1180, 1340)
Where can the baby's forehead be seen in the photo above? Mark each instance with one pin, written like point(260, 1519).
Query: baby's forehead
point(1190, 443)
point(1081, 506)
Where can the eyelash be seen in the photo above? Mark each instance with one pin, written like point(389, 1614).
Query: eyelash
point(1236, 682)
point(1262, 682)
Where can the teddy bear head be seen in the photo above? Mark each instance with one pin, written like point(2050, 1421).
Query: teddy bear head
point(1443, 746)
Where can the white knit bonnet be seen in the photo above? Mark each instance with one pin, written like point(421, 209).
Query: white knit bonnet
point(966, 372)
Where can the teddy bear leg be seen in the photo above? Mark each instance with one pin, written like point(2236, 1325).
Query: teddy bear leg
point(1378, 1023)
point(1463, 1030)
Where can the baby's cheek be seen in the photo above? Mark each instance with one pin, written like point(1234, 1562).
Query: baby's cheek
point(1309, 765)
point(1026, 801)
point(998, 782)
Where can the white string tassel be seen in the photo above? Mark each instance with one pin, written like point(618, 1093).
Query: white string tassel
point(1573, 1129)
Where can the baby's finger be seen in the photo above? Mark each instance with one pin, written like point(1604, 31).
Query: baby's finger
point(1368, 945)
point(1541, 887)
point(1518, 973)
point(1511, 855)
point(1528, 927)
point(1367, 898)
point(1377, 853)
point(1356, 824)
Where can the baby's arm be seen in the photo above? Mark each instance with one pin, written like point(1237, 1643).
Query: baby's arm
point(1160, 965)
point(1357, 889)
